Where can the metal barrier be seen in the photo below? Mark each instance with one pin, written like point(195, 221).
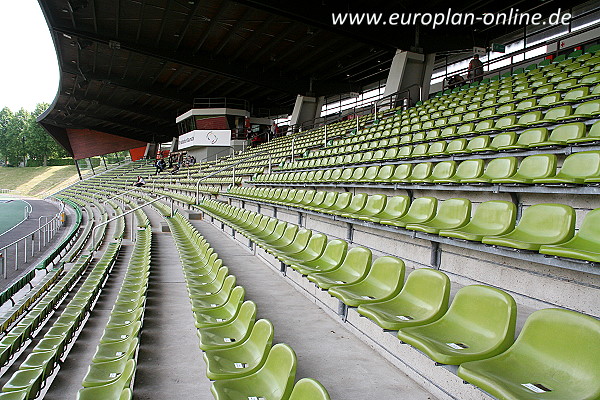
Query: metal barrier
point(44, 235)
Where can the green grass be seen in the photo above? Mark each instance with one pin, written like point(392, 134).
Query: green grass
point(37, 181)
point(11, 213)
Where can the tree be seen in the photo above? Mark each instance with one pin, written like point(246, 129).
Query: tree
point(14, 138)
point(5, 117)
point(39, 144)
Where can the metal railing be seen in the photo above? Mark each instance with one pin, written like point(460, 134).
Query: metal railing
point(6, 191)
point(221, 102)
point(45, 233)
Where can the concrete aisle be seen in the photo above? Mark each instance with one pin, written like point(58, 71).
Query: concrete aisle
point(348, 368)
point(170, 364)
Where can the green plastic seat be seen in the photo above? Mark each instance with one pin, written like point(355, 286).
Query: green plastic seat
point(589, 109)
point(576, 169)
point(342, 201)
point(562, 134)
point(112, 390)
point(490, 218)
point(451, 213)
point(531, 168)
point(420, 172)
point(441, 172)
point(331, 258)
point(227, 335)
point(540, 224)
point(555, 357)
point(384, 174)
point(395, 207)
point(420, 210)
point(357, 203)
point(27, 379)
point(354, 268)
point(530, 136)
point(273, 381)
point(468, 169)
point(479, 324)
point(373, 206)
point(313, 249)
point(498, 168)
point(592, 137)
point(243, 358)
point(383, 282)
point(297, 244)
point(309, 389)
point(423, 299)
point(585, 245)
point(401, 173)
point(222, 314)
point(201, 303)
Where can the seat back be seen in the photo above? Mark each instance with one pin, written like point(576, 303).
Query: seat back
point(342, 201)
point(502, 167)
point(423, 208)
point(260, 340)
point(503, 139)
point(357, 203)
point(490, 312)
point(385, 173)
point(469, 169)
point(495, 216)
point(537, 166)
point(316, 244)
point(401, 172)
point(309, 389)
point(552, 223)
point(280, 371)
point(370, 174)
point(357, 261)
point(478, 142)
point(531, 136)
point(590, 227)
point(329, 201)
point(582, 165)
point(565, 343)
point(430, 289)
point(456, 146)
point(421, 171)
point(387, 274)
point(443, 170)
point(375, 204)
point(334, 252)
point(454, 211)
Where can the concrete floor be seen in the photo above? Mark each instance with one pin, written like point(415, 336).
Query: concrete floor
point(170, 364)
point(326, 351)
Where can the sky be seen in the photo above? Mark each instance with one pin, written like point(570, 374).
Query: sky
point(28, 65)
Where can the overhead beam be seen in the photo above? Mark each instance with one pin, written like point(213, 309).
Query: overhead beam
point(202, 60)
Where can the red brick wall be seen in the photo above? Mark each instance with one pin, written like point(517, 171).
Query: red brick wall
point(88, 143)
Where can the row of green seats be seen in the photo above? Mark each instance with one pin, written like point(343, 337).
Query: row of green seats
point(581, 168)
point(15, 287)
point(455, 144)
point(549, 109)
point(112, 368)
point(40, 363)
point(238, 350)
point(547, 228)
point(476, 331)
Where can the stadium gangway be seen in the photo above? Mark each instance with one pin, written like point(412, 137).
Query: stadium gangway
point(45, 234)
point(95, 244)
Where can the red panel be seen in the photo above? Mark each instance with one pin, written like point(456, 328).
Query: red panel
point(138, 153)
point(88, 143)
point(212, 123)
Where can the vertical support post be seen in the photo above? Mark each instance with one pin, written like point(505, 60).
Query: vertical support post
point(293, 149)
point(357, 124)
point(78, 170)
point(92, 165)
point(436, 255)
point(4, 272)
point(104, 160)
point(233, 176)
point(325, 137)
point(32, 244)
